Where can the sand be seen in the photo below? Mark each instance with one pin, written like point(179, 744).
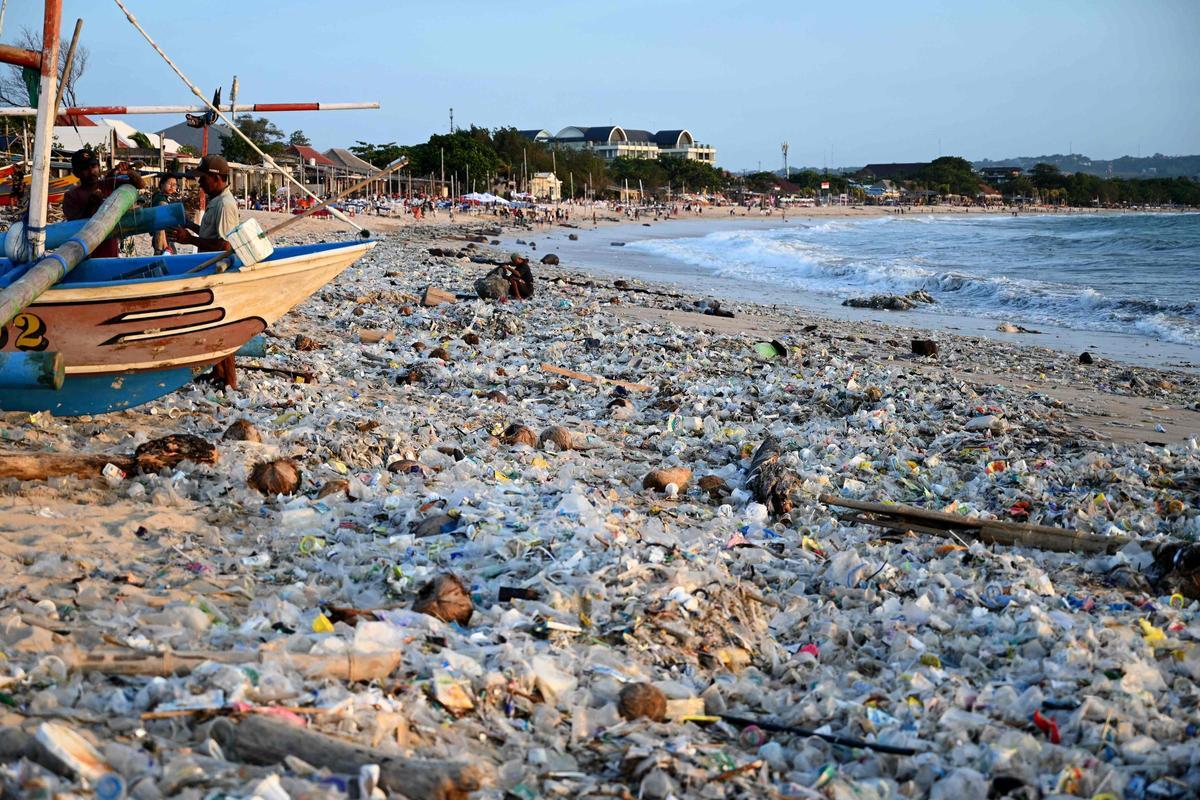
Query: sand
point(170, 560)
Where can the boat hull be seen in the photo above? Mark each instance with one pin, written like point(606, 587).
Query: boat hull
point(127, 342)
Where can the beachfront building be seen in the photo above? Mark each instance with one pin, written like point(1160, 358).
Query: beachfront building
point(614, 141)
point(545, 186)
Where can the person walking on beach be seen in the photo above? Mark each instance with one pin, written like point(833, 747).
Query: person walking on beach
point(83, 201)
point(220, 217)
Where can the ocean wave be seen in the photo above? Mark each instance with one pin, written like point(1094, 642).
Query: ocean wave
point(977, 270)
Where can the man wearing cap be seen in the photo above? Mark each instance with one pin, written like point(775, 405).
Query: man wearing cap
point(82, 201)
point(220, 212)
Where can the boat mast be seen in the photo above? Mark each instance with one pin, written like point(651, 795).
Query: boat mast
point(43, 138)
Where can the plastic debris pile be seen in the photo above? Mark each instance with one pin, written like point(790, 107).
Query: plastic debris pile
point(603, 537)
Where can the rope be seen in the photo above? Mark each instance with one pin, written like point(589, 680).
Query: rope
point(266, 158)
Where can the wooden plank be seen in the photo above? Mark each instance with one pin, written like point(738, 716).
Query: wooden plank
point(583, 376)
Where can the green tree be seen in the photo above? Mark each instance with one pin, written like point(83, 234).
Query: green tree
point(261, 131)
point(298, 137)
point(467, 152)
point(950, 175)
point(1046, 176)
point(379, 155)
point(142, 140)
point(692, 174)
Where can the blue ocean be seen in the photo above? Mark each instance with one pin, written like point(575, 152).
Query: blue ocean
point(1133, 273)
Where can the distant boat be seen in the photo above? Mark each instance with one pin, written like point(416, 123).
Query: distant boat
point(58, 188)
point(126, 340)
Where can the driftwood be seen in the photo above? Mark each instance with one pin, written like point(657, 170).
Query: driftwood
point(772, 483)
point(262, 740)
point(583, 376)
point(1176, 564)
point(433, 296)
point(343, 666)
point(16, 744)
point(157, 454)
point(303, 374)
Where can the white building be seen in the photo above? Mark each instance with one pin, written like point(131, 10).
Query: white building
point(613, 141)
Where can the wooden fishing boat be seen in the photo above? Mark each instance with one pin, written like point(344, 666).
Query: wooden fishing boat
point(82, 335)
point(126, 341)
point(58, 188)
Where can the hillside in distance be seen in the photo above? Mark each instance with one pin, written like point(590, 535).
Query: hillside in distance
point(1155, 166)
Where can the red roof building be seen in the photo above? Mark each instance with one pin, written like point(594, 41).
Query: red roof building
point(310, 156)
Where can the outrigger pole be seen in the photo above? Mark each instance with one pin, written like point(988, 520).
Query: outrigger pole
point(228, 108)
point(39, 184)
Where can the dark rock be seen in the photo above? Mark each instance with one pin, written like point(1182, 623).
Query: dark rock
point(550, 259)
point(1086, 358)
point(434, 526)
point(891, 302)
point(574, 237)
point(924, 347)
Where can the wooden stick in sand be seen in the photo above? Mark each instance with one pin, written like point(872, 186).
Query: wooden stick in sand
point(263, 740)
point(341, 666)
point(582, 376)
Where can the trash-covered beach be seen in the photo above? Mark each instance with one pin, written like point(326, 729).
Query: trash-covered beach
point(520, 549)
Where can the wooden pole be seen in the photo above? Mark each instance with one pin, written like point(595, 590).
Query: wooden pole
point(259, 739)
point(39, 187)
point(67, 65)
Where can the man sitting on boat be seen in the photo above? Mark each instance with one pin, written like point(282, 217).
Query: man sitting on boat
point(84, 200)
point(220, 217)
point(220, 212)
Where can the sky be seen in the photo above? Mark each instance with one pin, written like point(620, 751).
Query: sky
point(843, 83)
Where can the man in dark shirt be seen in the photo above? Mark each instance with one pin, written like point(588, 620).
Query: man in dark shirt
point(82, 201)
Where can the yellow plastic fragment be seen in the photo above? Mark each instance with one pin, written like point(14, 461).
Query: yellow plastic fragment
point(322, 624)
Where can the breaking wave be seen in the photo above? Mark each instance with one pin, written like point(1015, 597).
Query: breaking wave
point(1134, 273)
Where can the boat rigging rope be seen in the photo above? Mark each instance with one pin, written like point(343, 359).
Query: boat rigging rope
point(266, 158)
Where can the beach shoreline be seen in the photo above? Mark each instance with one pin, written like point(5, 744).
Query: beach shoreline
point(400, 431)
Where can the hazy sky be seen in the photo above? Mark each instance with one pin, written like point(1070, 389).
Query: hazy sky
point(843, 83)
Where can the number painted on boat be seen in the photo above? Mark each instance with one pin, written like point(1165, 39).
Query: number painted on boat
point(30, 333)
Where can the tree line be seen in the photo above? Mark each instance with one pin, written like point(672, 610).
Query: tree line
point(480, 158)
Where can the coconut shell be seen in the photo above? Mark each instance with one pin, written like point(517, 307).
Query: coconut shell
point(563, 439)
point(471, 339)
point(242, 430)
point(305, 344)
point(336, 486)
point(280, 476)
point(660, 478)
point(446, 598)
point(874, 394)
point(440, 352)
point(517, 433)
point(407, 466)
point(713, 484)
point(497, 396)
point(642, 700)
